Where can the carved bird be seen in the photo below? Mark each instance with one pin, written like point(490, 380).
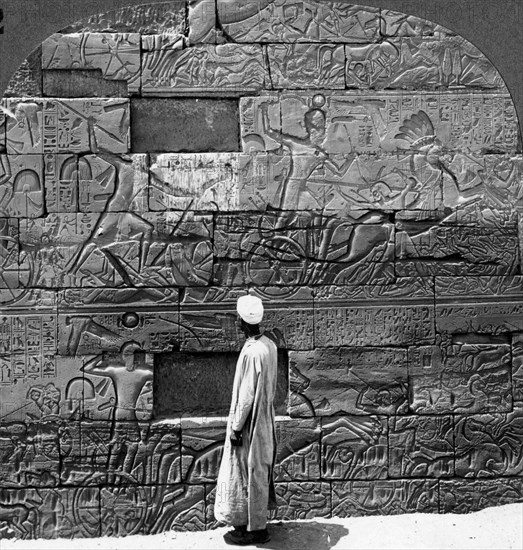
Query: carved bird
point(81, 325)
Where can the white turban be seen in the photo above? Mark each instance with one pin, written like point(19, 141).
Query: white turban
point(250, 309)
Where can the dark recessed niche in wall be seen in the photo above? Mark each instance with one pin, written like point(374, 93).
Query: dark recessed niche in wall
point(184, 125)
point(200, 384)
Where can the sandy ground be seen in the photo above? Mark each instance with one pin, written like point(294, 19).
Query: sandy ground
point(498, 528)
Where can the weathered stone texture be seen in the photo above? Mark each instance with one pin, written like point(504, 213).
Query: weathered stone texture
point(76, 83)
point(27, 80)
point(185, 125)
point(348, 381)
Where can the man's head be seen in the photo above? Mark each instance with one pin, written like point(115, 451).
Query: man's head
point(250, 314)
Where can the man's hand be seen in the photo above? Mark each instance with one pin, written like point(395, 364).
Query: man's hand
point(236, 439)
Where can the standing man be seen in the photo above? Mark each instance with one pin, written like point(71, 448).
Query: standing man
point(245, 487)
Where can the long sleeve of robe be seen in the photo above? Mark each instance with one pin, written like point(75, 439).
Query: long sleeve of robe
point(245, 487)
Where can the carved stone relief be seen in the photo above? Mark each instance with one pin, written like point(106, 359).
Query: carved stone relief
point(358, 169)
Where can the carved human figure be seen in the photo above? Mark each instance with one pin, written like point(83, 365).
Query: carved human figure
point(127, 376)
point(116, 223)
point(307, 155)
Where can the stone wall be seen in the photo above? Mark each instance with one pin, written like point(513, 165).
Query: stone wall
point(359, 169)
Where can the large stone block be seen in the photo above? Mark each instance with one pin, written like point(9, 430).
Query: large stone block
point(428, 249)
point(428, 63)
point(310, 21)
point(29, 454)
point(306, 66)
point(226, 69)
point(330, 381)
point(149, 510)
point(354, 447)
point(21, 186)
point(491, 305)
point(381, 315)
point(489, 445)
point(384, 497)
point(344, 123)
point(298, 447)
point(303, 249)
point(72, 512)
point(152, 18)
point(207, 181)
point(421, 446)
point(302, 500)
point(116, 55)
point(463, 497)
point(184, 125)
point(464, 377)
point(120, 453)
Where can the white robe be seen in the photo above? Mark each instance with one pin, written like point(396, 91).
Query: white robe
point(245, 486)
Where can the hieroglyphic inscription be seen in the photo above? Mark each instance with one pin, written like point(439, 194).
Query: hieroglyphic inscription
point(389, 314)
point(389, 122)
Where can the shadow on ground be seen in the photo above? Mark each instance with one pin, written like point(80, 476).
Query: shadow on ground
point(302, 536)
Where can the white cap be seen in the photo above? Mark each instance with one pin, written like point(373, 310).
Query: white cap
point(250, 309)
